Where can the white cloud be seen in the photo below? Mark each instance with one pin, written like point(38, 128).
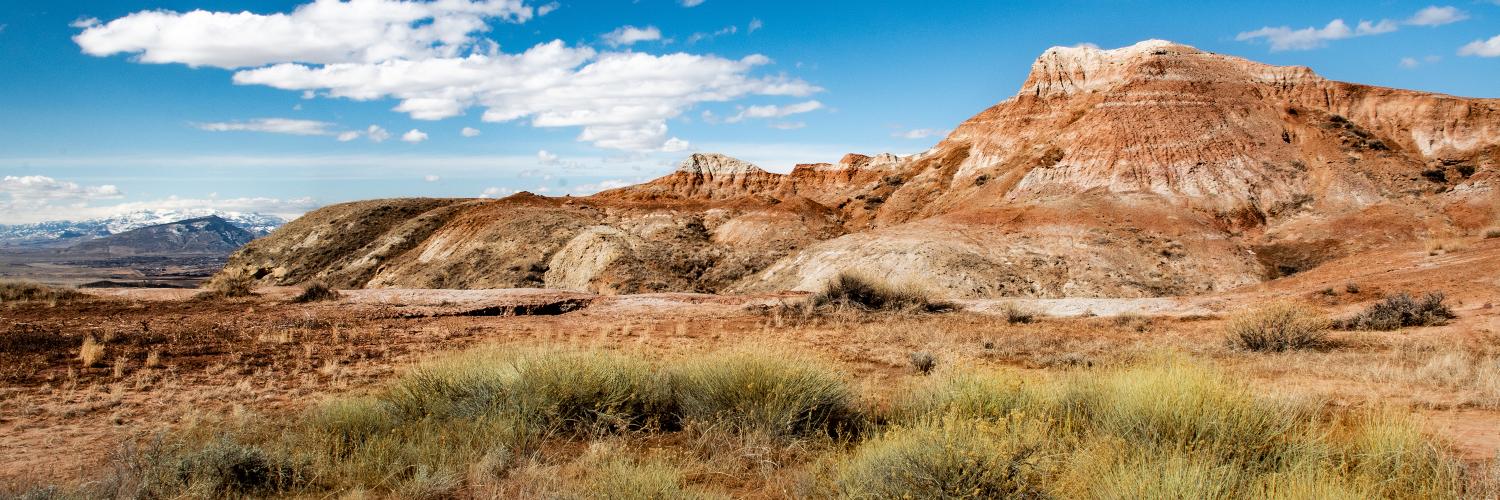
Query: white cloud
point(496, 192)
point(431, 178)
point(774, 111)
point(377, 134)
point(1086, 45)
point(1285, 38)
point(920, 133)
point(348, 136)
point(414, 136)
point(1410, 62)
point(547, 158)
point(37, 198)
point(674, 145)
point(700, 36)
point(788, 125)
point(547, 9)
point(1437, 16)
point(429, 58)
point(469, 132)
point(321, 32)
point(755, 25)
point(691, 3)
point(271, 125)
point(1482, 48)
point(627, 35)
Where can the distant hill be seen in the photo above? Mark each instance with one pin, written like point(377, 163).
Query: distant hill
point(203, 235)
point(66, 233)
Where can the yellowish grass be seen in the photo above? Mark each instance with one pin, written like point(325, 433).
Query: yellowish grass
point(91, 352)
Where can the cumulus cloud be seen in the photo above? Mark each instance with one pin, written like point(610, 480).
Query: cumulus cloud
point(469, 132)
point(628, 35)
point(1285, 38)
point(496, 192)
point(36, 198)
point(426, 57)
point(1482, 48)
point(321, 32)
point(377, 134)
point(1437, 16)
point(348, 136)
point(546, 157)
point(774, 111)
point(272, 125)
point(920, 133)
point(1413, 63)
point(547, 9)
point(414, 136)
point(755, 25)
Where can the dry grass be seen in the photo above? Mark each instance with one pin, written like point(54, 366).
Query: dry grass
point(1492, 233)
point(91, 353)
point(229, 286)
point(21, 292)
point(1278, 327)
point(555, 423)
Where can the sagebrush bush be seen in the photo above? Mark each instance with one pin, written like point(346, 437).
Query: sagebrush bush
point(225, 468)
point(613, 474)
point(853, 291)
point(1400, 311)
point(776, 394)
point(1016, 314)
point(316, 291)
point(1278, 327)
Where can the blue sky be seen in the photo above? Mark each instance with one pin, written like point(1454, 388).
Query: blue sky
point(116, 105)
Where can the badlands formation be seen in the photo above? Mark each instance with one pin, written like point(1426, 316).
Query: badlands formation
point(1155, 169)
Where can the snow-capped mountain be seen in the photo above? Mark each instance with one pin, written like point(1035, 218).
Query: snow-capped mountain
point(54, 234)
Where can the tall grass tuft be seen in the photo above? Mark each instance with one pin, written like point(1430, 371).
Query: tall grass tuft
point(229, 286)
point(776, 394)
point(951, 458)
point(1282, 326)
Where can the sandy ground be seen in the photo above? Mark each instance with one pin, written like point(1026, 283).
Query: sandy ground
point(61, 420)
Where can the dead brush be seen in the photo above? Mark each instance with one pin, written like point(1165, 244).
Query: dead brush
point(229, 286)
point(316, 291)
point(1282, 326)
point(91, 352)
point(849, 291)
point(1399, 311)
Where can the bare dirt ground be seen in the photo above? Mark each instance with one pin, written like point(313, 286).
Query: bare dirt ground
point(60, 420)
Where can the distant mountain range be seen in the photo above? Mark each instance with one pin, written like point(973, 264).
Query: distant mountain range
point(203, 235)
point(64, 233)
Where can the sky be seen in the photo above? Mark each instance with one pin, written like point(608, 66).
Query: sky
point(280, 107)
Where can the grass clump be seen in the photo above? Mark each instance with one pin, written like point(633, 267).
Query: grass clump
point(849, 291)
point(1278, 327)
point(612, 473)
point(949, 458)
point(1492, 233)
point(22, 292)
point(91, 353)
point(767, 393)
point(316, 291)
point(1399, 311)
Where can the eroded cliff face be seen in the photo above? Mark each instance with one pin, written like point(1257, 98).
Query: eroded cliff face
point(1154, 169)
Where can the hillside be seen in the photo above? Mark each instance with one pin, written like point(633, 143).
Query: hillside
point(1155, 169)
point(65, 233)
point(210, 235)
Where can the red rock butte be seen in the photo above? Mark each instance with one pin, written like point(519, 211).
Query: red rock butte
point(1149, 170)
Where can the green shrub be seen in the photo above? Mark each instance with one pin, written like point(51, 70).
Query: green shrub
point(225, 468)
point(1278, 327)
point(613, 475)
point(967, 393)
point(851, 291)
point(771, 393)
point(949, 458)
point(1399, 311)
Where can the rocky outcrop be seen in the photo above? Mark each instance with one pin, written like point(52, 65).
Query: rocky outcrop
point(1154, 169)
